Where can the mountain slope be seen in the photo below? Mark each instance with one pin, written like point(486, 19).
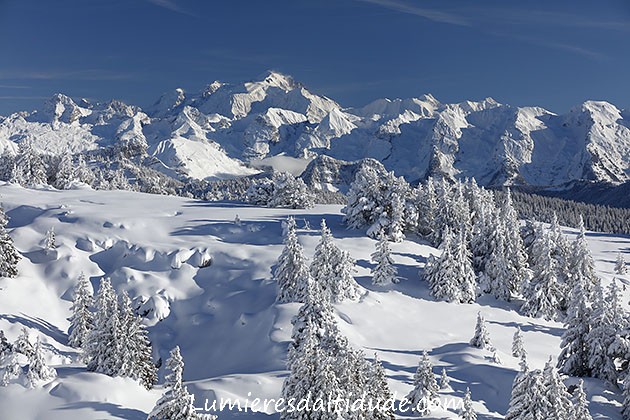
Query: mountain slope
point(217, 132)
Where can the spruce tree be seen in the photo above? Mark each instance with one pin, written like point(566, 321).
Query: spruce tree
point(82, 319)
point(425, 388)
point(384, 272)
point(620, 265)
point(103, 344)
point(468, 412)
point(545, 291)
point(482, 336)
point(49, 240)
point(9, 256)
point(22, 344)
point(38, 370)
point(528, 397)
point(518, 349)
point(557, 398)
point(580, 263)
point(176, 402)
point(378, 391)
point(580, 403)
point(444, 380)
point(291, 271)
point(331, 269)
point(607, 321)
point(514, 249)
point(574, 356)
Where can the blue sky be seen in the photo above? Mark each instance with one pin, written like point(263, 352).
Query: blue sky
point(550, 53)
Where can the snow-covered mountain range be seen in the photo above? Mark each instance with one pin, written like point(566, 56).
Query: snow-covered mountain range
point(225, 130)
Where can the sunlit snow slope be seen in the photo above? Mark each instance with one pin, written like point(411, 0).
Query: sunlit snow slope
point(232, 335)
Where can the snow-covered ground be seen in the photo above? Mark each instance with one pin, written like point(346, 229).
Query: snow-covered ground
point(232, 334)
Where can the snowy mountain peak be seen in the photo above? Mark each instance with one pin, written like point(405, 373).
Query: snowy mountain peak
point(61, 108)
point(168, 102)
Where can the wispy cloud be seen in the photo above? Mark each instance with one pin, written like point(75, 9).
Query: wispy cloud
point(172, 6)
point(14, 87)
point(82, 74)
point(431, 14)
point(493, 22)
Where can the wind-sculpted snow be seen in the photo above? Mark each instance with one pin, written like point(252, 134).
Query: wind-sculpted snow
point(203, 282)
point(217, 132)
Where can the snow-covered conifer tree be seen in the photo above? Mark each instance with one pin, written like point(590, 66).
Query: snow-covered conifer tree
point(557, 398)
point(82, 319)
point(290, 192)
point(580, 263)
point(425, 388)
point(38, 370)
point(444, 380)
point(49, 240)
point(580, 403)
point(607, 321)
point(573, 359)
point(620, 265)
point(332, 268)
point(450, 276)
point(291, 271)
point(29, 167)
point(427, 205)
point(544, 292)
point(176, 402)
point(135, 349)
point(528, 397)
point(482, 336)
point(103, 345)
point(22, 344)
point(518, 349)
point(384, 272)
point(468, 412)
point(377, 389)
point(66, 172)
point(9, 256)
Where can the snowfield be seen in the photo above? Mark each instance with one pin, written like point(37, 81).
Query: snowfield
point(205, 284)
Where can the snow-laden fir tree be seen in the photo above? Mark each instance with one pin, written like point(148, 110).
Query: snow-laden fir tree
point(528, 401)
point(444, 379)
point(176, 402)
point(518, 348)
point(82, 319)
point(23, 345)
point(29, 167)
point(49, 240)
point(580, 263)
point(580, 403)
point(485, 217)
point(450, 276)
point(481, 338)
point(291, 271)
point(5, 346)
point(467, 412)
point(545, 292)
point(103, 344)
point(425, 387)
point(426, 203)
point(135, 351)
point(9, 256)
point(494, 358)
point(378, 390)
point(608, 319)
point(289, 191)
point(558, 400)
point(574, 356)
point(620, 265)
point(384, 272)
point(332, 269)
point(378, 200)
point(498, 279)
point(10, 368)
point(514, 249)
point(38, 371)
point(561, 250)
point(66, 172)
